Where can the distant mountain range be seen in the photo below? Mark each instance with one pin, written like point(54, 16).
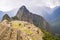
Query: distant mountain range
point(55, 19)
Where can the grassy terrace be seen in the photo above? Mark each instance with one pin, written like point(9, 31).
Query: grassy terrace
point(20, 26)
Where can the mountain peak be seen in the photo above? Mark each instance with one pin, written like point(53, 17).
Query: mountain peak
point(23, 9)
point(6, 17)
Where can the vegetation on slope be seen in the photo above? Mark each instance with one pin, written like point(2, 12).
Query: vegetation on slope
point(49, 36)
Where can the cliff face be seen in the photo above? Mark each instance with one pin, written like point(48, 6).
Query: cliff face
point(24, 15)
point(19, 30)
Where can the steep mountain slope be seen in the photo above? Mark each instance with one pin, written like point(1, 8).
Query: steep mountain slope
point(42, 11)
point(56, 13)
point(19, 30)
point(54, 20)
point(24, 15)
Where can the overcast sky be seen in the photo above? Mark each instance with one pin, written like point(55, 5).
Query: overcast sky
point(6, 5)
